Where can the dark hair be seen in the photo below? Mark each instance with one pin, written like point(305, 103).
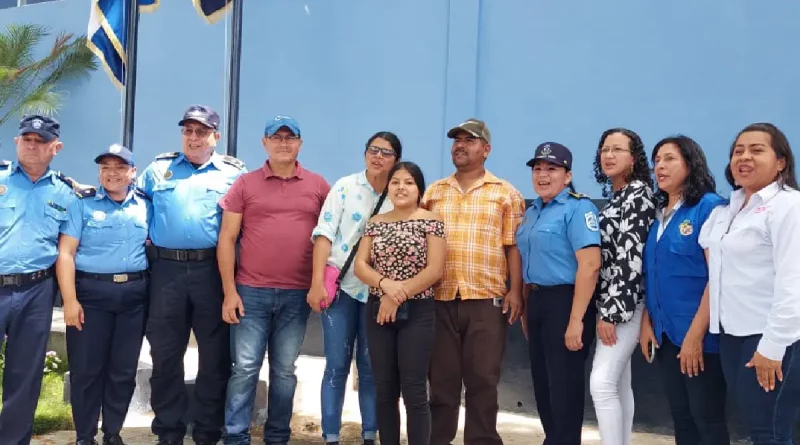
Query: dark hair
point(415, 172)
point(641, 167)
point(779, 144)
point(389, 137)
point(699, 179)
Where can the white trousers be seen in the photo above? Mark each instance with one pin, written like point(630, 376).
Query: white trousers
point(610, 383)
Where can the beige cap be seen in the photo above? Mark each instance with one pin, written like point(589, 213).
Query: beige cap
point(475, 127)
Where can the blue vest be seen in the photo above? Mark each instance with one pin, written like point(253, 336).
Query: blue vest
point(676, 272)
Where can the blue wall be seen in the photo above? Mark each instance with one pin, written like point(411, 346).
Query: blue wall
point(534, 70)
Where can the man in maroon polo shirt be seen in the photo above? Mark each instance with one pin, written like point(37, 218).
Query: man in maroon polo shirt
point(275, 208)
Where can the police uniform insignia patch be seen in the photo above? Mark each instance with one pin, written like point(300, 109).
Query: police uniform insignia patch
point(168, 174)
point(114, 149)
point(686, 228)
point(3, 189)
point(37, 123)
point(99, 215)
point(591, 221)
point(56, 206)
point(170, 155)
point(230, 160)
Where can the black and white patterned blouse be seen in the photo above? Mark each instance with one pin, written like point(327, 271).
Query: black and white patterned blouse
point(624, 223)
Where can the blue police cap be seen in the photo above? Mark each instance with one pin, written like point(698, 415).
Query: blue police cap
point(201, 114)
point(554, 153)
point(44, 126)
point(282, 121)
point(116, 150)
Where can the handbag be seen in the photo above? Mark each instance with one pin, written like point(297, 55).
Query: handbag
point(332, 275)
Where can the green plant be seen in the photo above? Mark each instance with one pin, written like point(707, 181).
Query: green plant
point(30, 84)
point(53, 364)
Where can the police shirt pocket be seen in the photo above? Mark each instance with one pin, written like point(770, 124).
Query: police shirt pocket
point(164, 186)
point(105, 231)
point(548, 235)
point(7, 209)
point(59, 215)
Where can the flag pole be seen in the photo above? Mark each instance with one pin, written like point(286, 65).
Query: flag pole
point(132, 27)
point(233, 86)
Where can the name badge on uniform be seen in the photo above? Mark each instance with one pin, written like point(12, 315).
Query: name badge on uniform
point(3, 190)
point(56, 206)
point(686, 228)
point(591, 221)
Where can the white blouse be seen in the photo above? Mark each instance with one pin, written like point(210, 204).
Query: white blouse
point(754, 272)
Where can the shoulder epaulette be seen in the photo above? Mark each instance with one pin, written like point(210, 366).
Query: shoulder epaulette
point(230, 160)
point(140, 193)
point(4, 163)
point(86, 192)
point(578, 195)
point(169, 155)
point(63, 178)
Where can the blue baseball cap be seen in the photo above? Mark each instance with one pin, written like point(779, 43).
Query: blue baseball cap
point(554, 153)
point(116, 150)
point(201, 114)
point(44, 126)
point(282, 121)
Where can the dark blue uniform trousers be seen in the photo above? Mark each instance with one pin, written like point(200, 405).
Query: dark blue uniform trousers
point(559, 383)
point(187, 296)
point(26, 314)
point(104, 355)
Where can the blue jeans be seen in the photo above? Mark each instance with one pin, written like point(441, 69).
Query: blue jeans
point(275, 322)
point(769, 417)
point(341, 323)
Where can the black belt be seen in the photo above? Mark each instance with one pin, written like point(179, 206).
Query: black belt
point(184, 255)
point(112, 277)
point(533, 287)
point(22, 279)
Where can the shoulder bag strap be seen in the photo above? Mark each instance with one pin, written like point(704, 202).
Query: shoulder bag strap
point(355, 246)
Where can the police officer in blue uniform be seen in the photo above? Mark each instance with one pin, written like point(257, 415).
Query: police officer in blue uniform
point(102, 274)
point(33, 211)
point(559, 241)
point(186, 288)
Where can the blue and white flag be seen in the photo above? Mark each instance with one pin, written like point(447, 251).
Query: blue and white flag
point(108, 33)
point(212, 10)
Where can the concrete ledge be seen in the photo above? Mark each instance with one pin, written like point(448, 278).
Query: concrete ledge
point(58, 334)
point(259, 416)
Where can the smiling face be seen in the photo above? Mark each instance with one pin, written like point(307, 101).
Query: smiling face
point(115, 175)
point(380, 157)
point(549, 179)
point(754, 163)
point(670, 169)
point(616, 158)
point(198, 141)
point(403, 190)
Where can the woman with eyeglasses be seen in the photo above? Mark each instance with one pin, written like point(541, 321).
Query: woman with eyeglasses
point(338, 294)
point(621, 168)
point(754, 283)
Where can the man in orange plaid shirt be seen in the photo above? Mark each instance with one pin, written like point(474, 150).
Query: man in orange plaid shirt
point(474, 305)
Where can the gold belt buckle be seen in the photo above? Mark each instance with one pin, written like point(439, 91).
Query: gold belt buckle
point(120, 278)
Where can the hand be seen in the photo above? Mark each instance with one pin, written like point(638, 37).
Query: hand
point(766, 370)
point(316, 297)
point(395, 290)
point(647, 338)
point(691, 355)
point(524, 322)
point(572, 338)
point(230, 305)
point(387, 311)
point(607, 333)
point(513, 302)
point(73, 314)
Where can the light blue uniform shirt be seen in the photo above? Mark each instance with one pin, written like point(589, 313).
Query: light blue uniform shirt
point(186, 213)
point(550, 235)
point(111, 235)
point(32, 214)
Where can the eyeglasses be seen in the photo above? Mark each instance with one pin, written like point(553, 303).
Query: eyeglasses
point(387, 152)
point(280, 139)
point(200, 132)
point(613, 150)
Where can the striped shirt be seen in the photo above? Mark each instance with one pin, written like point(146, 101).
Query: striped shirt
point(479, 224)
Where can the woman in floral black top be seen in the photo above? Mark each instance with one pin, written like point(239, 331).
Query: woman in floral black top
point(621, 167)
point(401, 257)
